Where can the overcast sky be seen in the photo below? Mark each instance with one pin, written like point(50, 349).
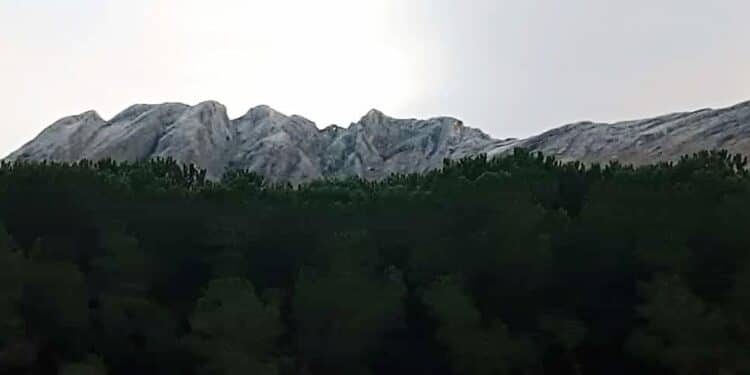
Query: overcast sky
point(511, 68)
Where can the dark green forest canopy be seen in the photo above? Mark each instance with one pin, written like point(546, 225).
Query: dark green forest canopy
point(513, 265)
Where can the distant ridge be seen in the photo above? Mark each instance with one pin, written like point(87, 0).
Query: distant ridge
point(292, 148)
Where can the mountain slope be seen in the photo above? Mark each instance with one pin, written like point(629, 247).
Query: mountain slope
point(292, 148)
point(661, 138)
point(280, 147)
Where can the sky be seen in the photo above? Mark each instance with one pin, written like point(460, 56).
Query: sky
point(511, 68)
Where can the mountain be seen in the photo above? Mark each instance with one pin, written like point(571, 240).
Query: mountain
point(663, 138)
point(293, 148)
point(281, 147)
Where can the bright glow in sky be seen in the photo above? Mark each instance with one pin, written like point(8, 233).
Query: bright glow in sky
point(511, 68)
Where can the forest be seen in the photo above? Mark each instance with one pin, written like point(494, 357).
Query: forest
point(520, 264)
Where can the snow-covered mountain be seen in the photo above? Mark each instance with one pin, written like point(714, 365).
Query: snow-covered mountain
point(292, 148)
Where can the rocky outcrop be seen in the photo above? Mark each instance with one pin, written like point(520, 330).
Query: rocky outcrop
point(292, 148)
point(664, 138)
point(280, 147)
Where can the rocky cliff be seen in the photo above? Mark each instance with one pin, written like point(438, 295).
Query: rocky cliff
point(292, 148)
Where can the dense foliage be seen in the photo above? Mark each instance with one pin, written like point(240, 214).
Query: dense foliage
point(515, 265)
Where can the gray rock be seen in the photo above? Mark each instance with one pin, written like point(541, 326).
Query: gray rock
point(292, 148)
point(664, 138)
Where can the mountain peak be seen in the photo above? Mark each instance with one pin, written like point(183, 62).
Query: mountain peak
point(208, 108)
point(262, 111)
point(210, 104)
point(374, 113)
point(90, 115)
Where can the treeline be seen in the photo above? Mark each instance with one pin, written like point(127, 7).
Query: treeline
point(514, 265)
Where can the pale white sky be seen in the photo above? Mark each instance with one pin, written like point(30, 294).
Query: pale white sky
point(511, 68)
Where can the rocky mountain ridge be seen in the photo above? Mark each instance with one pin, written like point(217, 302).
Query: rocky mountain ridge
point(293, 148)
point(662, 138)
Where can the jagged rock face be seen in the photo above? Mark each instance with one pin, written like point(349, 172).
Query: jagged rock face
point(280, 147)
point(378, 145)
point(292, 148)
point(275, 145)
point(131, 135)
point(200, 136)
